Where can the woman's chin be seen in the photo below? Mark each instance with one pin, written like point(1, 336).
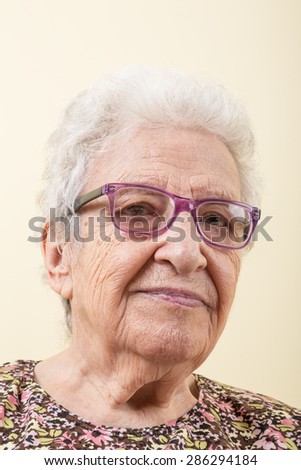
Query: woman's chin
point(172, 346)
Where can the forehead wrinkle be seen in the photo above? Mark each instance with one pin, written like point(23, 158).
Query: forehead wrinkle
point(186, 185)
point(147, 176)
point(196, 187)
point(205, 187)
point(169, 167)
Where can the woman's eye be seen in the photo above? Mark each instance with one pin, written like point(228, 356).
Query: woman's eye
point(215, 219)
point(138, 210)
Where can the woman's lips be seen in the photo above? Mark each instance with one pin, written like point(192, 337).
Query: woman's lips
point(176, 296)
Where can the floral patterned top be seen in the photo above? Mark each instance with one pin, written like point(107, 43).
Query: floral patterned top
point(223, 418)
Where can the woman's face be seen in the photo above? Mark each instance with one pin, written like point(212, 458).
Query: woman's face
point(159, 299)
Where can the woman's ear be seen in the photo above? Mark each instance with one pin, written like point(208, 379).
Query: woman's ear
point(57, 262)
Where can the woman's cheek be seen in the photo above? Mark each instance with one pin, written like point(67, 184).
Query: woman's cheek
point(231, 278)
point(225, 269)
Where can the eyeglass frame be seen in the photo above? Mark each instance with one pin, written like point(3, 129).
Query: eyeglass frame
point(181, 204)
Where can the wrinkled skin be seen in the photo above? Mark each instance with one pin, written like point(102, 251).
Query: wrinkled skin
point(133, 352)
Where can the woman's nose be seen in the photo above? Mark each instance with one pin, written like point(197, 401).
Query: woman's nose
point(182, 246)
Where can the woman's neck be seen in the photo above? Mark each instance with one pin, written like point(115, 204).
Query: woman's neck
point(120, 390)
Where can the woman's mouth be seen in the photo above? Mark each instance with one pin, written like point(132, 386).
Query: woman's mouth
point(175, 296)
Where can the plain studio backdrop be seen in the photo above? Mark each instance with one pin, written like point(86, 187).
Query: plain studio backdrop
point(52, 49)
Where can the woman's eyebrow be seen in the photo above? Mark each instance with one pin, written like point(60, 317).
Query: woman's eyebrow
point(204, 189)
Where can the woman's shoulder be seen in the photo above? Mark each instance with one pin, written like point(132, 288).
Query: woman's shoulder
point(13, 376)
point(20, 368)
point(221, 392)
point(15, 382)
point(244, 402)
point(253, 420)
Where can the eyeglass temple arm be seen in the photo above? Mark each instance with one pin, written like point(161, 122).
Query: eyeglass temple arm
point(80, 201)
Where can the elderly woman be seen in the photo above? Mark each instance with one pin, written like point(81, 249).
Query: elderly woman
point(154, 173)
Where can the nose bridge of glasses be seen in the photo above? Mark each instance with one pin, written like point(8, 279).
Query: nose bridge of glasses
point(184, 205)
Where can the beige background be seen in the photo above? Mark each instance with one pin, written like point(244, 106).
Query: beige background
point(51, 49)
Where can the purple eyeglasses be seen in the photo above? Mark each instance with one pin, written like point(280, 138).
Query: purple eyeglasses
point(142, 209)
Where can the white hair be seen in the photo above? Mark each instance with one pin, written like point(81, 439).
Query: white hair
point(142, 96)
